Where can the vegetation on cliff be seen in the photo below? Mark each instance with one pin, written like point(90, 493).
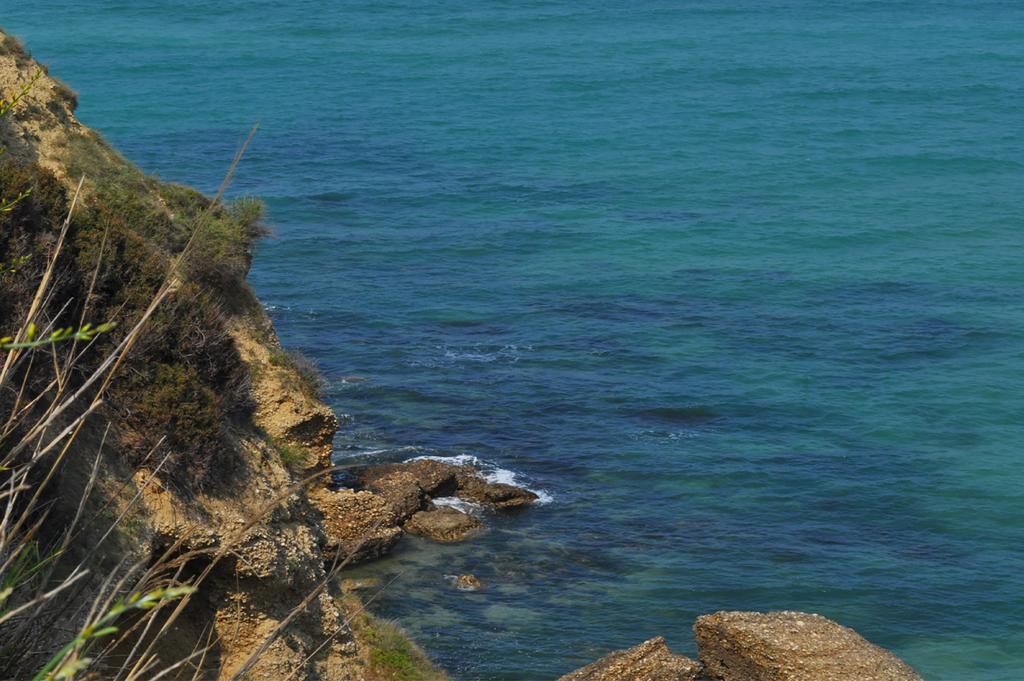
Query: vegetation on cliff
point(184, 381)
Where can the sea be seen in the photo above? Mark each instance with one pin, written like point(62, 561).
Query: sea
point(735, 285)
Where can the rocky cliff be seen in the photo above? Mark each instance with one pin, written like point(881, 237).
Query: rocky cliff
point(207, 447)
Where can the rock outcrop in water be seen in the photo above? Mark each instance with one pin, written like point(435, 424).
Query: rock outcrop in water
point(433, 478)
point(399, 497)
point(358, 526)
point(650, 661)
point(791, 646)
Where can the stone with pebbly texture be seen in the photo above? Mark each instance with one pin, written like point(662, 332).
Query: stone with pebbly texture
point(791, 646)
point(650, 661)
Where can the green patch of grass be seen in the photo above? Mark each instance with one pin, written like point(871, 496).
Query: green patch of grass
point(25, 565)
point(391, 654)
point(222, 252)
point(395, 657)
point(292, 456)
point(175, 398)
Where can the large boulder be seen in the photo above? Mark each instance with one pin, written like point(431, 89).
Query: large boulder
point(791, 646)
point(650, 661)
point(435, 478)
point(443, 524)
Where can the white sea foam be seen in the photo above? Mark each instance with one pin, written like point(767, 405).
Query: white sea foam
point(491, 473)
point(385, 450)
point(459, 504)
point(666, 435)
point(476, 353)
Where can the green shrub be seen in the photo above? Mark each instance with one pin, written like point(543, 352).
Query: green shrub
point(26, 231)
point(175, 404)
point(186, 368)
point(222, 252)
point(250, 214)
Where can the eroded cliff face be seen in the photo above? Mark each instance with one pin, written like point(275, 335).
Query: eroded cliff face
point(210, 429)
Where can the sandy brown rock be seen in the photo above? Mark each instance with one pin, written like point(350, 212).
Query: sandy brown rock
point(650, 661)
point(791, 646)
point(272, 565)
point(284, 412)
point(43, 126)
point(443, 524)
point(358, 526)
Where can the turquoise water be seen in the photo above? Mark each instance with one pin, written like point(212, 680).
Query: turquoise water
point(738, 283)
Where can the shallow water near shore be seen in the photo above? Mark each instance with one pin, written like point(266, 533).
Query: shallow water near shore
point(737, 284)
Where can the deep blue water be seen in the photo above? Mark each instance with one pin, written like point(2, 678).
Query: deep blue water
point(737, 282)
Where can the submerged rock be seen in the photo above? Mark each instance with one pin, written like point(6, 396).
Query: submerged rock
point(791, 646)
point(467, 582)
point(650, 661)
point(443, 524)
point(350, 585)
